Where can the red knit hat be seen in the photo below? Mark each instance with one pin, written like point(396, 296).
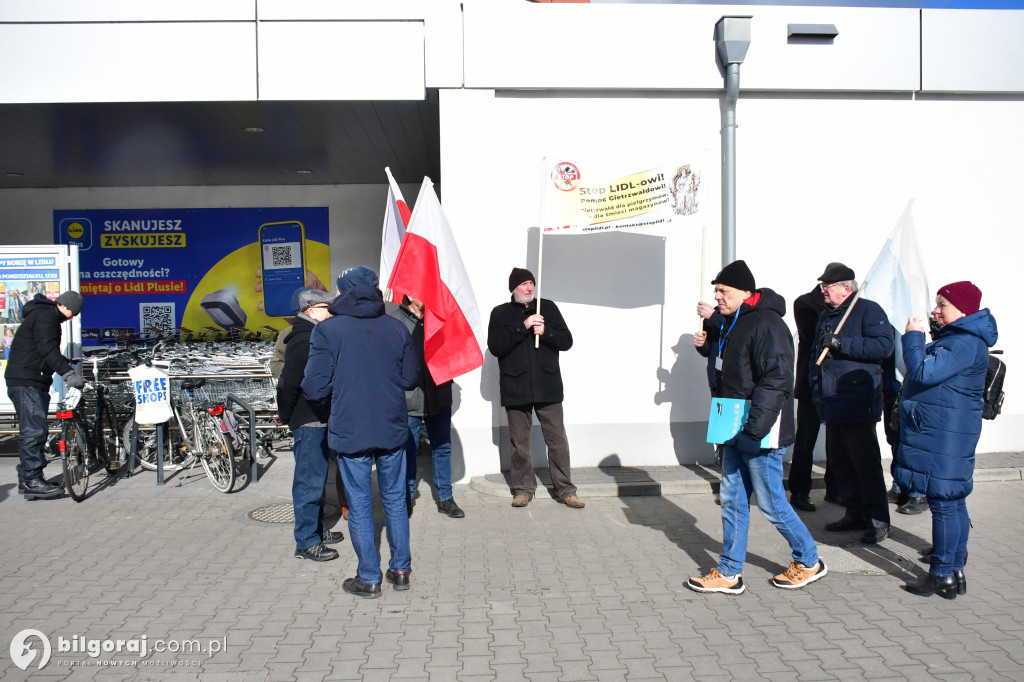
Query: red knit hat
point(964, 295)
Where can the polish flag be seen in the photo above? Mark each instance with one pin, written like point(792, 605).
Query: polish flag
point(429, 268)
point(396, 219)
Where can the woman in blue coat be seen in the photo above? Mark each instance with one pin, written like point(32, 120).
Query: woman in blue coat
point(940, 422)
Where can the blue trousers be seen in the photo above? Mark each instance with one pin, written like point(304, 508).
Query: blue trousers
point(760, 474)
point(950, 528)
point(311, 458)
point(355, 472)
point(439, 429)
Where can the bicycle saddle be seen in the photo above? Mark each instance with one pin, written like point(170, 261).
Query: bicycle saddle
point(192, 384)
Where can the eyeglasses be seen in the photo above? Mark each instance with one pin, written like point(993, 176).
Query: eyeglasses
point(826, 287)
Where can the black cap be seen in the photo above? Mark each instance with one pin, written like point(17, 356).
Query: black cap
point(736, 275)
point(72, 300)
point(518, 276)
point(837, 272)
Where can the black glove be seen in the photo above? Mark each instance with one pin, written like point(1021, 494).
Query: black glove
point(73, 380)
point(832, 342)
point(744, 443)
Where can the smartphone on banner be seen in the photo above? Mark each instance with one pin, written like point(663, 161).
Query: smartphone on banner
point(283, 256)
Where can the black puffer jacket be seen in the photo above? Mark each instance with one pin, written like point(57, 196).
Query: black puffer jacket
point(528, 375)
point(757, 364)
point(35, 351)
point(292, 407)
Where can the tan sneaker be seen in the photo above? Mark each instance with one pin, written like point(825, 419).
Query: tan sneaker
point(520, 500)
point(798, 575)
point(572, 501)
point(716, 582)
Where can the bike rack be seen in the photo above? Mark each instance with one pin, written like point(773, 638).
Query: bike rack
point(254, 467)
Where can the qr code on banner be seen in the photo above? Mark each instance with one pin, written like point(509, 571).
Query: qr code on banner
point(282, 256)
point(156, 316)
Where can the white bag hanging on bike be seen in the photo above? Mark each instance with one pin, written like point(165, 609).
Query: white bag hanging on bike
point(151, 385)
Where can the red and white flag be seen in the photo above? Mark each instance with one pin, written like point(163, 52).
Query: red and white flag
point(429, 268)
point(396, 219)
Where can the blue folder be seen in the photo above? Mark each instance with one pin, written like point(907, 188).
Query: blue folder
point(727, 416)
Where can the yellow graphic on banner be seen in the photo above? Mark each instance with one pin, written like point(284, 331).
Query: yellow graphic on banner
point(642, 199)
point(142, 240)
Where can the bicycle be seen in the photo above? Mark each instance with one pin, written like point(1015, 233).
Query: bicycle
point(87, 442)
point(197, 432)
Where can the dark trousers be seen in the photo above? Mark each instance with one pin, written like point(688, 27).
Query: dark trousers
point(552, 424)
point(856, 462)
point(31, 405)
point(807, 425)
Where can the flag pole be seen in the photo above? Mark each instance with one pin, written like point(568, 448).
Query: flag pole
point(824, 351)
point(540, 246)
point(700, 288)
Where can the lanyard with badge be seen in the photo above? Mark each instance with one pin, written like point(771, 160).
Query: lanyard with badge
point(723, 336)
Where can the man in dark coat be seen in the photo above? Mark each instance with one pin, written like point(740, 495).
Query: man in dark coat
point(531, 381)
point(806, 309)
point(309, 433)
point(429, 405)
point(363, 362)
point(847, 390)
point(35, 358)
point(750, 358)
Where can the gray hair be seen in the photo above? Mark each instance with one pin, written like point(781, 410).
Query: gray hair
point(852, 283)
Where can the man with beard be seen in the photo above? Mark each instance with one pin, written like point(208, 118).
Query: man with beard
point(531, 381)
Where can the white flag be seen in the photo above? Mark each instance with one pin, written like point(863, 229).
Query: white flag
point(897, 280)
point(396, 219)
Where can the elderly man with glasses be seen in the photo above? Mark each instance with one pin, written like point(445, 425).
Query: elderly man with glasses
point(847, 392)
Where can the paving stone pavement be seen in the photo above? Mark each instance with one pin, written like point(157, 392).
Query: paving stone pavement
point(541, 593)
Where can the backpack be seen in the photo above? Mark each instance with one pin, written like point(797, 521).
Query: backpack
point(994, 386)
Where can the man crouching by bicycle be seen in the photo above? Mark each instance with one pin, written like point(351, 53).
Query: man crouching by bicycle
point(35, 358)
point(309, 432)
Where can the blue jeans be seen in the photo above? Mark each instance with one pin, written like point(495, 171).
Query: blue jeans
point(311, 458)
point(355, 472)
point(950, 527)
point(760, 474)
point(31, 404)
point(439, 429)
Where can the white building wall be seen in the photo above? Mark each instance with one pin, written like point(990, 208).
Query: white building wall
point(834, 139)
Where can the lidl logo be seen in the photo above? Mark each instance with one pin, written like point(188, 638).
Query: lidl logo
point(76, 231)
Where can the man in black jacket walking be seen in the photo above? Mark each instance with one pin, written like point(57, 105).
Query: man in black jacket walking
point(35, 358)
point(806, 309)
point(531, 381)
point(309, 432)
point(750, 358)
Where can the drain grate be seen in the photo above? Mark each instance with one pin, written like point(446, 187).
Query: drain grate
point(280, 512)
point(283, 512)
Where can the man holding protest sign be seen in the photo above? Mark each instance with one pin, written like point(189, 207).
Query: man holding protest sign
point(531, 381)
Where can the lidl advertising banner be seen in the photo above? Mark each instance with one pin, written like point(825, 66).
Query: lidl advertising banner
point(578, 199)
point(156, 270)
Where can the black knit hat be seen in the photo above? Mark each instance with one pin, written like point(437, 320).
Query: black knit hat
point(837, 272)
point(72, 300)
point(736, 275)
point(518, 276)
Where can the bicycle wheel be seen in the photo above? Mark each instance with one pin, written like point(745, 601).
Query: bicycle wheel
point(109, 442)
point(217, 455)
point(75, 459)
point(175, 454)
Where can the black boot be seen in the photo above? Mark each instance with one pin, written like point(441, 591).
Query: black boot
point(930, 584)
point(961, 582)
point(39, 488)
